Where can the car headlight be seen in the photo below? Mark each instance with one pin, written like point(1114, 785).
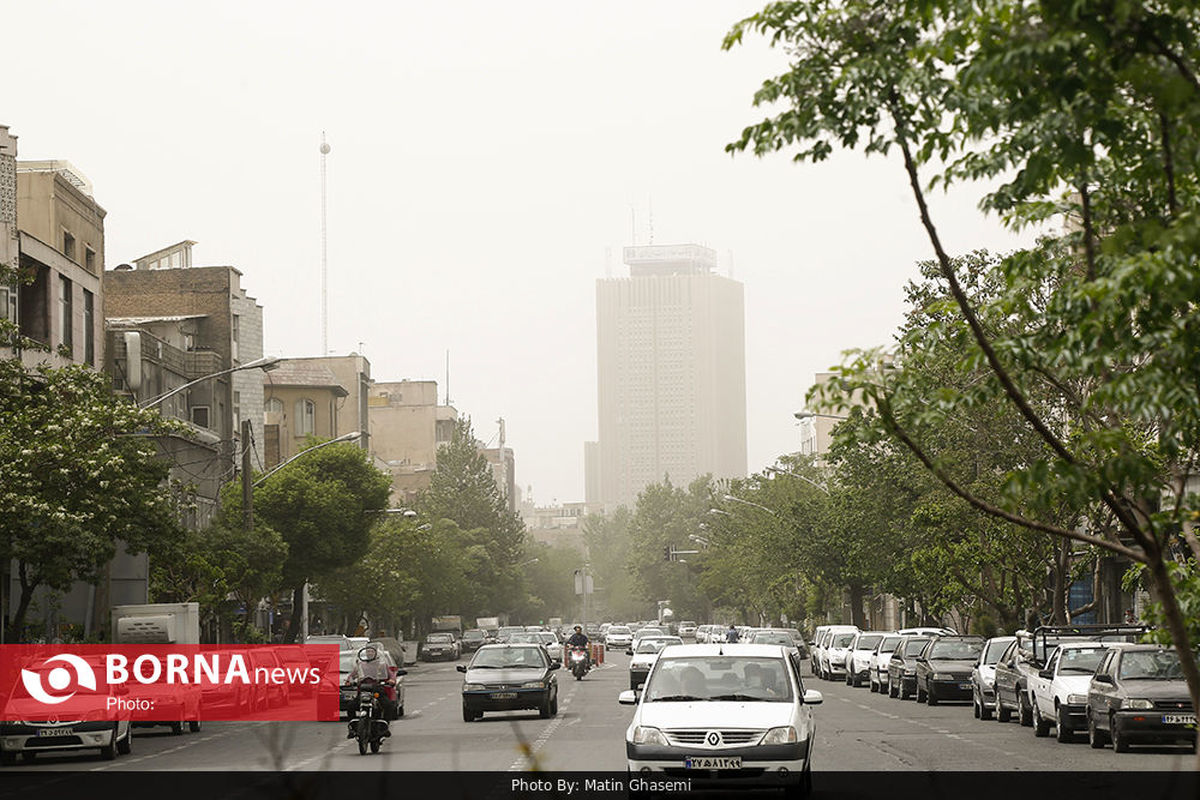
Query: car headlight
point(473, 687)
point(943, 676)
point(782, 735)
point(1079, 700)
point(646, 735)
point(533, 685)
point(1136, 702)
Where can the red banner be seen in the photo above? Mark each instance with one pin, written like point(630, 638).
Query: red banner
point(161, 682)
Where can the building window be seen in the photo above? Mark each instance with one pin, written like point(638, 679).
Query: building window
point(274, 411)
point(89, 259)
point(236, 335)
point(200, 416)
point(64, 311)
point(306, 415)
point(68, 245)
point(89, 328)
point(8, 303)
point(237, 410)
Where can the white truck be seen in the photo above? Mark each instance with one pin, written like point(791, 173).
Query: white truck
point(163, 623)
point(1060, 689)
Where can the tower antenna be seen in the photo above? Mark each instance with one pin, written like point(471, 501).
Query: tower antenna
point(447, 377)
point(650, 204)
point(324, 257)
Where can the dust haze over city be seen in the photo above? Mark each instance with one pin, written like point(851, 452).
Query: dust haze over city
point(489, 162)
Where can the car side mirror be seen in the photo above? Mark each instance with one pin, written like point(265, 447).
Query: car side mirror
point(629, 697)
point(555, 664)
point(1046, 673)
point(461, 668)
point(629, 652)
point(1098, 678)
point(812, 697)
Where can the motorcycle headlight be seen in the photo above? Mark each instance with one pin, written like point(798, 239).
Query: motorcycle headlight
point(643, 734)
point(1136, 702)
point(782, 735)
point(1077, 699)
point(533, 685)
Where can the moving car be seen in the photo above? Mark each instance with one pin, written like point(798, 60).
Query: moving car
point(645, 656)
point(725, 715)
point(473, 639)
point(1139, 696)
point(944, 668)
point(686, 628)
point(618, 636)
point(545, 638)
point(439, 645)
point(509, 677)
point(783, 638)
point(983, 676)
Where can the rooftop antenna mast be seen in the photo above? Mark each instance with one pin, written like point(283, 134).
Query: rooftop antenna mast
point(650, 205)
point(447, 377)
point(324, 257)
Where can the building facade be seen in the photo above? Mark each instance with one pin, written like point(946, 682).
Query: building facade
point(671, 373)
point(407, 426)
point(302, 400)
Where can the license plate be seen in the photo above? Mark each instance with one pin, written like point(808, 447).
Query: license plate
point(964, 686)
point(712, 762)
point(1179, 719)
point(56, 732)
point(504, 695)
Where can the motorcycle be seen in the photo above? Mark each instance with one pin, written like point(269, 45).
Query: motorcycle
point(369, 725)
point(579, 662)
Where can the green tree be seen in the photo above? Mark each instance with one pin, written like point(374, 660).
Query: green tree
point(608, 539)
point(323, 505)
point(463, 490)
point(78, 474)
point(664, 517)
point(1088, 109)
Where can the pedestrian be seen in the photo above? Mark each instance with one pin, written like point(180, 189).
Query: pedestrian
point(732, 634)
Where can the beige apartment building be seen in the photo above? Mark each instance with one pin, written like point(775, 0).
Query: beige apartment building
point(406, 428)
point(322, 396)
point(671, 369)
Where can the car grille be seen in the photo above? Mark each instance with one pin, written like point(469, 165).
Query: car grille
point(1173, 705)
point(690, 736)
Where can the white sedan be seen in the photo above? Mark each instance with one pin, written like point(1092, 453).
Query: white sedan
point(732, 715)
point(645, 656)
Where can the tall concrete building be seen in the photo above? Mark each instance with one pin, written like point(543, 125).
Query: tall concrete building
point(671, 358)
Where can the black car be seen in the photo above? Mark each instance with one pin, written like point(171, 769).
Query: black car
point(902, 670)
point(473, 639)
point(1139, 696)
point(510, 677)
point(944, 669)
point(438, 646)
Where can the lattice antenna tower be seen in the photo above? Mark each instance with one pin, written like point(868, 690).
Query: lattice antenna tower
point(324, 256)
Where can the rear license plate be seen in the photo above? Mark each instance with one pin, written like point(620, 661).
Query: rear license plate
point(1179, 719)
point(504, 695)
point(712, 762)
point(47, 732)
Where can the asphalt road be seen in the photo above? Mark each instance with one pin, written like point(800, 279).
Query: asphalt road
point(856, 731)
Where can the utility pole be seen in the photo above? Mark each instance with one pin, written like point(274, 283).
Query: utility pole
point(247, 478)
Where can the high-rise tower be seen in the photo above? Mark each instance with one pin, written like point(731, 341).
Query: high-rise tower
point(671, 357)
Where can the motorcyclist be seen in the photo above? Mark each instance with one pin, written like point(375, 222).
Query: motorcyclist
point(580, 639)
point(369, 665)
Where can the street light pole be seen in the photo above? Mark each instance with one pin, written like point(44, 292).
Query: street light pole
point(265, 363)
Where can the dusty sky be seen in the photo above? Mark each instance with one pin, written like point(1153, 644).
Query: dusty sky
point(485, 158)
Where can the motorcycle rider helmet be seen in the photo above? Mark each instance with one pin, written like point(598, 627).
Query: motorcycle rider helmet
point(368, 653)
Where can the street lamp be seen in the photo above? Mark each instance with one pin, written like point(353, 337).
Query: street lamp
point(810, 481)
point(802, 414)
point(345, 437)
point(264, 363)
point(734, 499)
point(527, 563)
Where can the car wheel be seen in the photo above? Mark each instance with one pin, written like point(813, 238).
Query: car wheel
point(554, 706)
point(891, 690)
point(1002, 713)
point(849, 678)
point(1025, 710)
point(1041, 727)
point(125, 746)
point(399, 711)
point(544, 708)
point(1119, 739)
point(1095, 736)
point(975, 706)
point(176, 728)
point(920, 695)
point(468, 714)
point(109, 751)
point(1063, 732)
point(930, 697)
point(984, 711)
point(194, 725)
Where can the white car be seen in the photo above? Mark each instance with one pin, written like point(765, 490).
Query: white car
point(646, 654)
point(619, 636)
point(1060, 691)
point(837, 644)
point(877, 666)
point(732, 715)
point(983, 677)
point(687, 628)
point(858, 657)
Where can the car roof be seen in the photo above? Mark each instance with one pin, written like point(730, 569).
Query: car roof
point(727, 649)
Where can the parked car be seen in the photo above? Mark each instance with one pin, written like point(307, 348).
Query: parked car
point(838, 645)
point(1060, 691)
point(509, 677)
point(983, 676)
point(877, 667)
point(944, 668)
point(438, 646)
point(902, 669)
point(1013, 669)
point(645, 656)
point(858, 657)
point(724, 715)
point(1139, 696)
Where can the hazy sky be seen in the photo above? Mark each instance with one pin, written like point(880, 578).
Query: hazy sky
point(485, 158)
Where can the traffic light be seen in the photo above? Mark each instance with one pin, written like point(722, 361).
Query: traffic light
point(667, 553)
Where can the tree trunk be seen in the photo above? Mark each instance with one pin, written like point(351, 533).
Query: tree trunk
point(293, 628)
point(27, 589)
point(1161, 581)
point(857, 618)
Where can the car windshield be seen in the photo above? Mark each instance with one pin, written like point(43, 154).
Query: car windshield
point(1079, 660)
point(994, 650)
point(650, 631)
point(868, 642)
point(766, 637)
point(914, 646)
point(439, 638)
point(956, 649)
point(888, 644)
point(473, 635)
point(508, 658)
point(618, 629)
point(719, 678)
point(1151, 665)
point(655, 645)
point(842, 640)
